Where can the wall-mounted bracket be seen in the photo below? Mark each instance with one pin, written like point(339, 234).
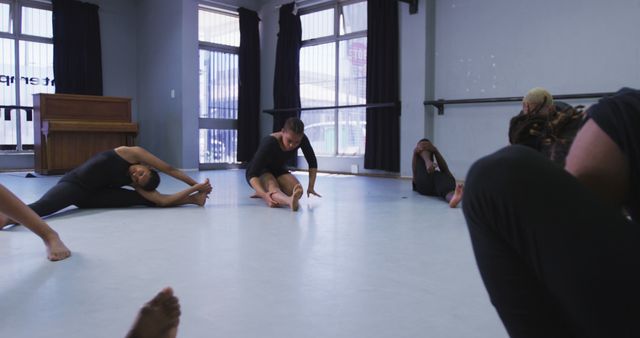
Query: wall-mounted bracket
point(413, 6)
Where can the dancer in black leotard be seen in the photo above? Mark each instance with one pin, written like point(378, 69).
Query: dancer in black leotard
point(431, 175)
point(267, 174)
point(98, 184)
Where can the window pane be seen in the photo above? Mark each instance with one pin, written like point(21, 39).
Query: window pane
point(218, 145)
point(354, 18)
point(218, 85)
point(318, 75)
point(8, 134)
point(37, 22)
point(6, 24)
point(320, 128)
point(26, 128)
point(7, 72)
point(36, 70)
point(215, 27)
point(353, 72)
point(317, 24)
point(36, 76)
point(353, 129)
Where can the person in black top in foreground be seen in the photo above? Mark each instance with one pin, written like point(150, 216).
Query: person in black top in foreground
point(431, 175)
point(559, 249)
point(98, 184)
point(267, 174)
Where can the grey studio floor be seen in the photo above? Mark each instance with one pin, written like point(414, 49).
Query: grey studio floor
point(369, 259)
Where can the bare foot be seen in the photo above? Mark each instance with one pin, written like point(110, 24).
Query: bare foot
point(268, 198)
point(457, 196)
point(295, 197)
point(200, 198)
point(56, 250)
point(5, 220)
point(159, 318)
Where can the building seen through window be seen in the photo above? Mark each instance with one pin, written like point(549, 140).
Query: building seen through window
point(219, 36)
point(333, 72)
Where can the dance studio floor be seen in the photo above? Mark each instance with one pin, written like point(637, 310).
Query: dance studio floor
point(369, 259)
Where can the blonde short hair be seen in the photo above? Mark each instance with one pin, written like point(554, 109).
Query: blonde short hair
point(539, 98)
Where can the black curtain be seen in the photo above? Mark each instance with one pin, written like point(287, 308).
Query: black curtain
point(382, 149)
point(249, 92)
point(77, 58)
point(286, 81)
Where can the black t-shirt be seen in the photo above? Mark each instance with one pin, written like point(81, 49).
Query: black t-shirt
point(272, 158)
point(104, 170)
point(619, 117)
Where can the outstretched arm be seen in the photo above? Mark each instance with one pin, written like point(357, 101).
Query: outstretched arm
point(312, 161)
point(312, 181)
point(185, 196)
point(140, 155)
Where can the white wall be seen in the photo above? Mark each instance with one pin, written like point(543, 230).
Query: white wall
point(413, 68)
point(159, 67)
point(496, 48)
point(119, 51)
point(167, 32)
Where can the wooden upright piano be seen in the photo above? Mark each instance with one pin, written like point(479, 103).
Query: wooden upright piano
point(69, 129)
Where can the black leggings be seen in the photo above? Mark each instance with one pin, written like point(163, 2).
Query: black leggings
point(556, 260)
point(436, 183)
point(65, 194)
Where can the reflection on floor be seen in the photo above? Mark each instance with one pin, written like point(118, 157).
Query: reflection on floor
point(369, 259)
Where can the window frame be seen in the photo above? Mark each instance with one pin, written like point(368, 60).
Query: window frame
point(336, 38)
point(15, 17)
point(216, 123)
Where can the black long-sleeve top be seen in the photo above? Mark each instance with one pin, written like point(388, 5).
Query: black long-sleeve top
point(270, 157)
point(104, 170)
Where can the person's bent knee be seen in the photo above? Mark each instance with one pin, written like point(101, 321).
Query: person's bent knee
point(503, 173)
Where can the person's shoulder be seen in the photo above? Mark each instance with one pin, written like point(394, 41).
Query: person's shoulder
point(269, 142)
point(270, 139)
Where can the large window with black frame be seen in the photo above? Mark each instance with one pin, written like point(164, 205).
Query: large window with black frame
point(219, 39)
point(333, 73)
point(26, 67)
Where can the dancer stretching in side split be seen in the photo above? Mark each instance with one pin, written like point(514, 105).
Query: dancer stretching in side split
point(12, 207)
point(98, 184)
point(431, 175)
point(266, 172)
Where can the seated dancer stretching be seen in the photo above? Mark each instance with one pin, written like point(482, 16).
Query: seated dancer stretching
point(267, 174)
point(431, 175)
point(98, 183)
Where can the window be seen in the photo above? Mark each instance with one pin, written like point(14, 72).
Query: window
point(333, 72)
point(26, 68)
point(219, 36)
